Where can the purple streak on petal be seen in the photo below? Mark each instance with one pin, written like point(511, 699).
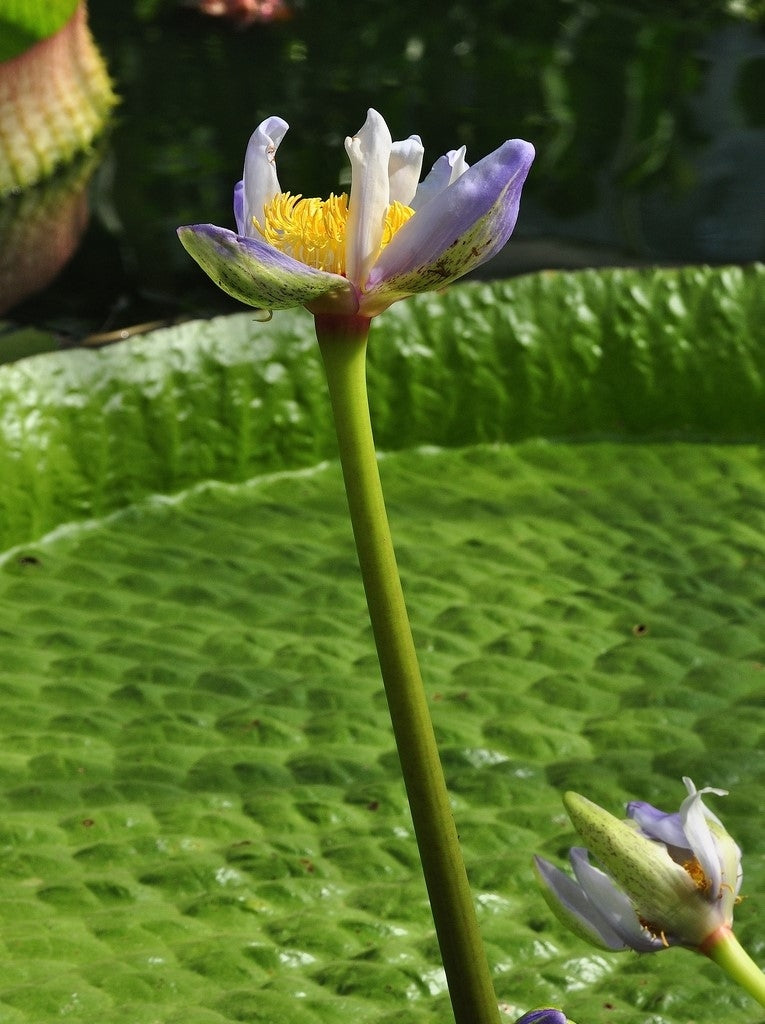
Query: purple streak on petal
point(655, 824)
point(239, 208)
point(550, 1016)
point(612, 904)
point(578, 911)
point(258, 274)
point(440, 223)
point(458, 230)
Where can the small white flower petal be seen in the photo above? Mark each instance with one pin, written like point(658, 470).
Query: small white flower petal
point(404, 169)
point(443, 173)
point(458, 163)
point(369, 152)
point(694, 817)
point(259, 183)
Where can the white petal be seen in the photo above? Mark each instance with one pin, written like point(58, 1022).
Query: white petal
point(694, 817)
point(443, 173)
point(715, 850)
point(260, 181)
point(369, 152)
point(404, 169)
point(709, 815)
point(458, 163)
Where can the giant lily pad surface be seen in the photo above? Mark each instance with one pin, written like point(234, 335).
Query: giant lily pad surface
point(202, 817)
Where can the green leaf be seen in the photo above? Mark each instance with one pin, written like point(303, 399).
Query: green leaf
point(201, 813)
point(25, 22)
point(622, 353)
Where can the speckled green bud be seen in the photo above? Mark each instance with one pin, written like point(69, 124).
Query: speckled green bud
point(663, 893)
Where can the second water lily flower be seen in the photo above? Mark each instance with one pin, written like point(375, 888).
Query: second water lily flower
point(355, 255)
point(670, 879)
point(549, 1015)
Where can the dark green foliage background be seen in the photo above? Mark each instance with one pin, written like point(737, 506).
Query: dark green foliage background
point(202, 818)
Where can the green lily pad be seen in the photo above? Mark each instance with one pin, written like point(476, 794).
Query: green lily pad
point(202, 815)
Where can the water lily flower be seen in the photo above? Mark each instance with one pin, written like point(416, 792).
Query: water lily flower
point(669, 879)
point(347, 258)
point(354, 255)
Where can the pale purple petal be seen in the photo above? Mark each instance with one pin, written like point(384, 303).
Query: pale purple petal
point(571, 905)
point(259, 183)
point(455, 232)
point(612, 904)
point(369, 152)
point(239, 216)
point(404, 169)
point(258, 274)
point(659, 825)
point(442, 174)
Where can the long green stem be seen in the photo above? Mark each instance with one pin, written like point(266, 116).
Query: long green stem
point(343, 347)
point(724, 948)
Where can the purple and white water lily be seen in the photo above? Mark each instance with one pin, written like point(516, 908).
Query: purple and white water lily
point(355, 255)
point(671, 879)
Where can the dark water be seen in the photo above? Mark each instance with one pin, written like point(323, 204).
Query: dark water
point(647, 117)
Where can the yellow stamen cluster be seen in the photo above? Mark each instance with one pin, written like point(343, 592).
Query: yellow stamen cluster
point(652, 929)
point(702, 884)
point(313, 230)
point(696, 872)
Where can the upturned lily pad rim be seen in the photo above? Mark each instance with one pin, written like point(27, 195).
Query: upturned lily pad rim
point(633, 354)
